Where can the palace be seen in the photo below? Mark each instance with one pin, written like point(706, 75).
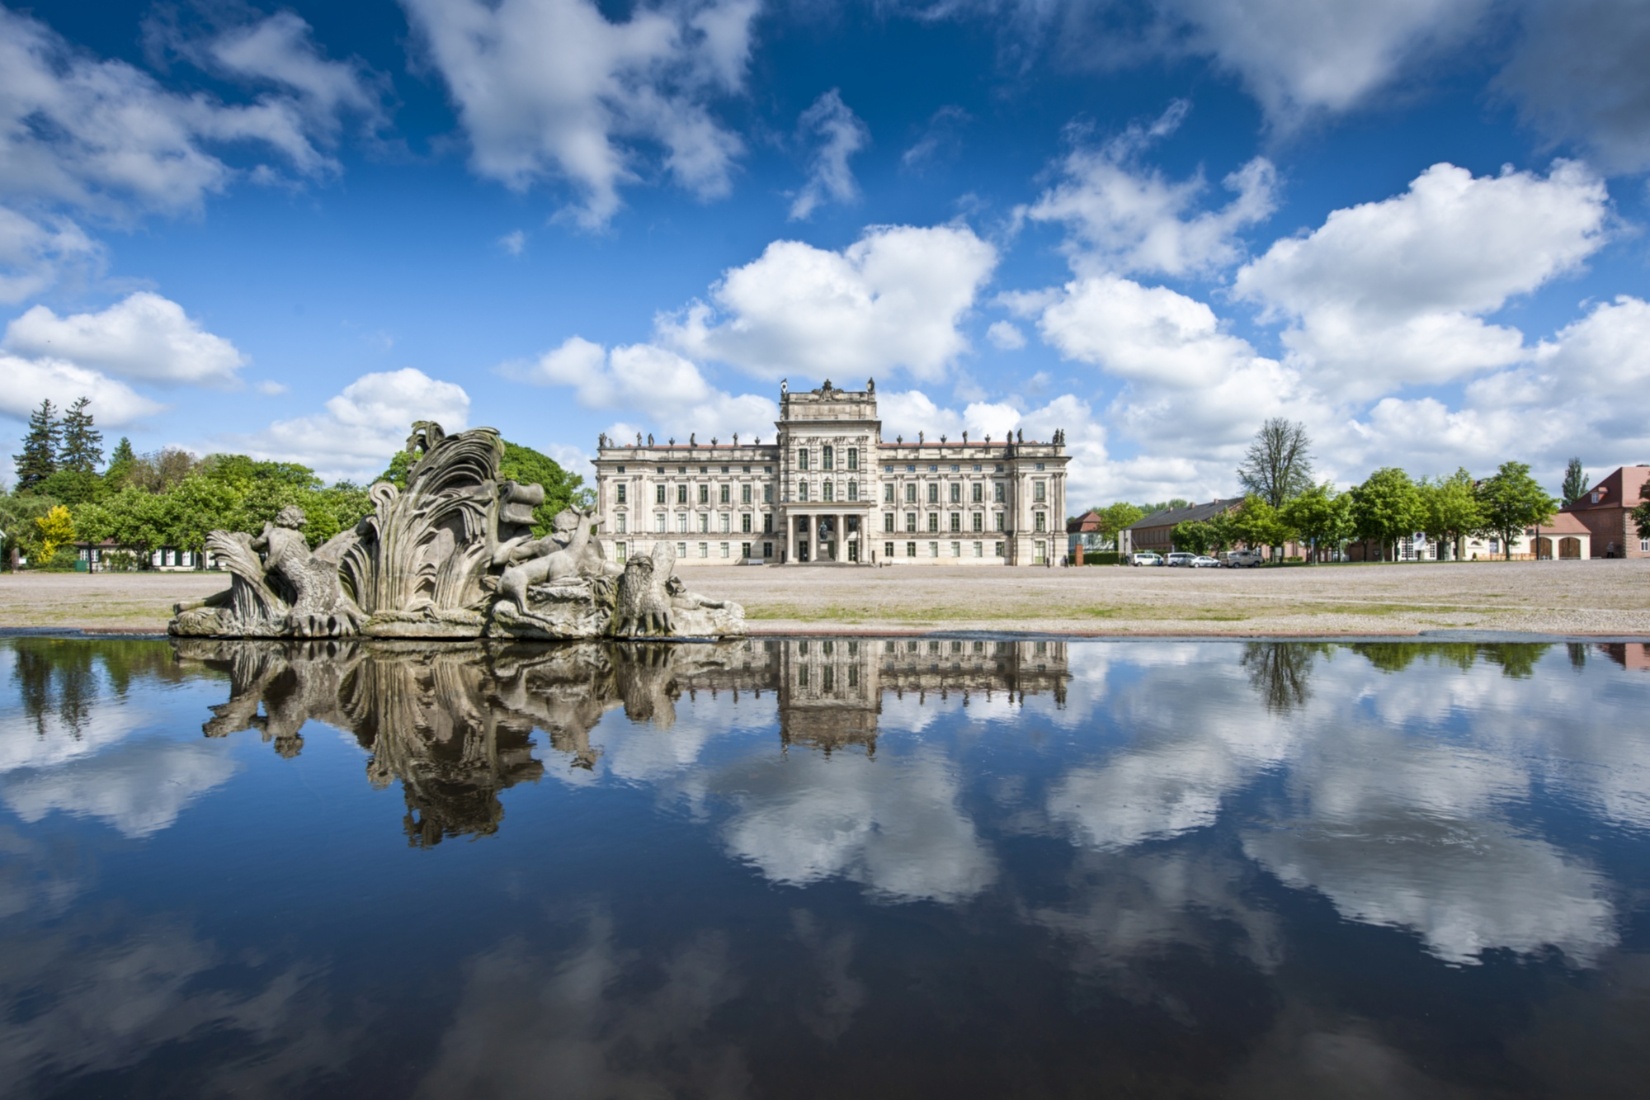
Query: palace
point(829, 488)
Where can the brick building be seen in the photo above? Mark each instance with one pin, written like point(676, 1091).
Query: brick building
point(1606, 510)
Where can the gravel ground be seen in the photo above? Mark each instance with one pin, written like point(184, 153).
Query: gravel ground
point(1560, 597)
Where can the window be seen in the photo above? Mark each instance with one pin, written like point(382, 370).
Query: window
point(802, 490)
point(956, 549)
point(767, 524)
point(853, 458)
point(619, 494)
point(933, 549)
point(1039, 491)
point(888, 550)
point(999, 521)
point(745, 525)
point(910, 521)
point(979, 549)
point(1644, 546)
point(725, 469)
point(1039, 554)
point(999, 467)
point(998, 492)
point(744, 469)
point(976, 493)
point(888, 522)
point(744, 550)
point(956, 521)
point(767, 494)
point(956, 493)
point(910, 549)
point(658, 494)
point(827, 491)
point(911, 494)
point(802, 458)
point(726, 523)
point(659, 522)
point(996, 549)
point(681, 550)
point(888, 493)
point(704, 523)
point(724, 549)
point(704, 549)
point(1039, 465)
point(933, 492)
point(681, 522)
point(618, 469)
point(979, 521)
point(619, 552)
point(661, 471)
point(978, 467)
point(955, 468)
point(853, 490)
point(725, 496)
point(828, 458)
point(681, 494)
point(767, 549)
point(1040, 519)
point(620, 520)
point(933, 521)
point(704, 494)
point(933, 469)
point(744, 494)
point(910, 469)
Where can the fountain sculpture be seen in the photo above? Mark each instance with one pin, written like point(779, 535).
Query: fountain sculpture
point(452, 556)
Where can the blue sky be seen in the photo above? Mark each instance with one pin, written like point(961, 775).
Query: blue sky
point(1417, 226)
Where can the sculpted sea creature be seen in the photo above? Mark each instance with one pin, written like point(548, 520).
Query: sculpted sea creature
point(642, 604)
point(554, 565)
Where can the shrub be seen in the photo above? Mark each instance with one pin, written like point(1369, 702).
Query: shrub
point(1101, 557)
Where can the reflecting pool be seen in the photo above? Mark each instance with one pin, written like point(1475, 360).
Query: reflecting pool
point(825, 867)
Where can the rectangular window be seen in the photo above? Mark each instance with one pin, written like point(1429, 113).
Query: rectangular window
point(681, 494)
point(996, 549)
point(999, 521)
point(704, 549)
point(744, 494)
point(910, 494)
point(658, 494)
point(828, 458)
point(1039, 465)
point(767, 524)
point(828, 491)
point(933, 549)
point(1039, 491)
point(619, 519)
point(1040, 519)
point(910, 521)
point(956, 493)
point(704, 494)
point(956, 521)
point(853, 490)
point(744, 550)
point(704, 523)
point(933, 521)
point(802, 490)
point(977, 493)
point(726, 495)
point(979, 549)
point(933, 492)
point(802, 458)
point(1644, 546)
point(956, 549)
point(853, 458)
point(888, 493)
point(767, 550)
point(767, 494)
point(681, 550)
point(888, 522)
point(727, 523)
point(997, 492)
point(745, 525)
point(910, 549)
point(979, 521)
point(619, 552)
point(659, 522)
point(619, 494)
point(1039, 554)
point(724, 549)
point(681, 522)
point(888, 550)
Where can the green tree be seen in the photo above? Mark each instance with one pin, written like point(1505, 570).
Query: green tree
point(71, 486)
point(1278, 464)
point(1450, 509)
point(121, 461)
point(1575, 481)
point(1641, 514)
point(1115, 517)
point(1256, 523)
point(1192, 536)
point(196, 507)
point(82, 444)
point(18, 511)
point(1321, 516)
point(40, 446)
point(1386, 507)
point(56, 529)
point(1510, 501)
point(133, 518)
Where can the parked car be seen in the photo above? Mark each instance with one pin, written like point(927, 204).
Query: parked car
point(1204, 561)
point(1181, 557)
point(1146, 557)
point(1241, 559)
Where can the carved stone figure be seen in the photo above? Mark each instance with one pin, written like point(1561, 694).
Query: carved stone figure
point(642, 606)
point(278, 588)
point(558, 562)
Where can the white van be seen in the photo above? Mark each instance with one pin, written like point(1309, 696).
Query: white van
point(1239, 559)
point(1181, 557)
point(1146, 557)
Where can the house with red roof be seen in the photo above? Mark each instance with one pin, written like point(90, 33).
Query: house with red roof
point(1606, 510)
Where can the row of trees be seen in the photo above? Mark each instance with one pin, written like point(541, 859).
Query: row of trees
point(173, 499)
point(1387, 507)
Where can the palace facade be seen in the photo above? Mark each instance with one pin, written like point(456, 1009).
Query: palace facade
point(829, 488)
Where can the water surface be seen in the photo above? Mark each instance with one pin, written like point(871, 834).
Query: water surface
point(823, 868)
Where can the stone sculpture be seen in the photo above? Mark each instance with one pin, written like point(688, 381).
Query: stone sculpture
point(453, 555)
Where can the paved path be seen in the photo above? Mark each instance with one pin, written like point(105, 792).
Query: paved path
point(1609, 598)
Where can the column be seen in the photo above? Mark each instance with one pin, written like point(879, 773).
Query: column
point(790, 539)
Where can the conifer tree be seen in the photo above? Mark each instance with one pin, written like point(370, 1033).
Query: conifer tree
point(40, 446)
point(82, 446)
point(1575, 482)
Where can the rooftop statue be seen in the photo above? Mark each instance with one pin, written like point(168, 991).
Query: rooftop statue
point(451, 556)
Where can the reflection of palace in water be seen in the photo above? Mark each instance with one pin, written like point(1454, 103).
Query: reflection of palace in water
point(454, 724)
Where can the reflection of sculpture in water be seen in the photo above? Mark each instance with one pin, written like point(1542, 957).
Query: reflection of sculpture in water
point(1280, 672)
point(450, 556)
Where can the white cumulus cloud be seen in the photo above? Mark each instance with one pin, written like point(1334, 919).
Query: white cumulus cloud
point(144, 337)
point(892, 299)
point(553, 89)
point(839, 134)
point(37, 253)
point(30, 381)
